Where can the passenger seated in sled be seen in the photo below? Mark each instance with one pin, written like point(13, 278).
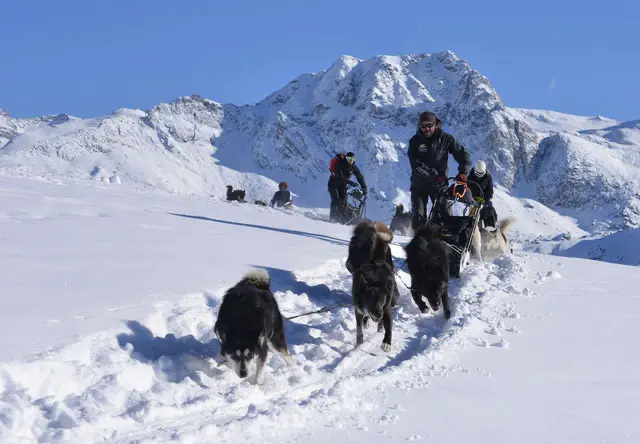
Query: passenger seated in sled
point(282, 197)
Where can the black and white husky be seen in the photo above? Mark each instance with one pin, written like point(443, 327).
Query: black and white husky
point(495, 242)
point(249, 323)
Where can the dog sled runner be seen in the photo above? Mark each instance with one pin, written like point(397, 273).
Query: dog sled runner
point(457, 231)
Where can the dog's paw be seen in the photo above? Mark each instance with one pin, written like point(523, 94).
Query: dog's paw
point(386, 347)
point(447, 314)
point(259, 378)
point(288, 360)
point(380, 326)
point(424, 309)
point(359, 339)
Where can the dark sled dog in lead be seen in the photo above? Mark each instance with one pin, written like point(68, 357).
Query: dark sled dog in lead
point(249, 323)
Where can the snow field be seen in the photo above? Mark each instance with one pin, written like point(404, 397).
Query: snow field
point(159, 379)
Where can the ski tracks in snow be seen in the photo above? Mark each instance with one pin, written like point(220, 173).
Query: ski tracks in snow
point(159, 381)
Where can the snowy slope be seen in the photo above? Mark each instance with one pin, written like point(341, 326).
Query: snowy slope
point(115, 292)
point(568, 375)
point(127, 144)
point(619, 248)
point(587, 168)
point(93, 254)
point(547, 122)
point(10, 127)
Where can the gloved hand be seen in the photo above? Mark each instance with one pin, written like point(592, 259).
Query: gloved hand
point(364, 191)
point(461, 177)
point(424, 171)
point(441, 179)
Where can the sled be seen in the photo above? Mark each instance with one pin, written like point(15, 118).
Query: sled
point(355, 206)
point(457, 231)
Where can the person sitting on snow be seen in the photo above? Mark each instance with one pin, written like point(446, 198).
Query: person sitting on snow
point(482, 177)
point(282, 197)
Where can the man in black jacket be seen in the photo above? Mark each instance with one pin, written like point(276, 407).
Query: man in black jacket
point(482, 177)
point(282, 197)
point(338, 181)
point(429, 151)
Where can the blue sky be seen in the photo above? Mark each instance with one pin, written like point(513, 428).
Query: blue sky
point(88, 58)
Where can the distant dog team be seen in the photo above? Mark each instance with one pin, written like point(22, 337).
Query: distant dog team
point(237, 195)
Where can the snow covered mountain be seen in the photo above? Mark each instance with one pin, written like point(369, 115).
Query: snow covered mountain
point(10, 127)
point(586, 168)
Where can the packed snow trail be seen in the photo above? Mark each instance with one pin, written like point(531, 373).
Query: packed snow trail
point(159, 381)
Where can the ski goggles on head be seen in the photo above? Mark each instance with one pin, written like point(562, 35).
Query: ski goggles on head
point(427, 125)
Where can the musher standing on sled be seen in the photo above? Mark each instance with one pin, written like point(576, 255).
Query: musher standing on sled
point(429, 151)
point(341, 171)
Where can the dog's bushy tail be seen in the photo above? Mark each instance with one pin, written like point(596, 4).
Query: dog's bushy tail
point(384, 236)
point(505, 224)
point(258, 277)
point(370, 241)
point(384, 233)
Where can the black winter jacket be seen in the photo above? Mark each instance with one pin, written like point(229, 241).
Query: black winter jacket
point(429, 158)
point(485, 182)
point(342, 174)
point(281, 197)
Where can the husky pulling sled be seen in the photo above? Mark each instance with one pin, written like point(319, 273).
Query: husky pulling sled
point(458, 231)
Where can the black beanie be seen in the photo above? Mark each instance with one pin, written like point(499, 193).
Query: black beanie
point(428, 116)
